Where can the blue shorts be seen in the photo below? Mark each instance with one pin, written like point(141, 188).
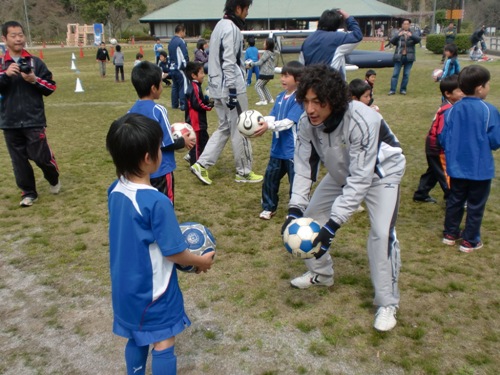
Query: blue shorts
point(143, 338)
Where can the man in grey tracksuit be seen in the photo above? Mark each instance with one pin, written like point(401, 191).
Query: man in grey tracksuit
point(227, 86)
point(365, 162)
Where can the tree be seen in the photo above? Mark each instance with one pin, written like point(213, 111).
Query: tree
point(111, 12)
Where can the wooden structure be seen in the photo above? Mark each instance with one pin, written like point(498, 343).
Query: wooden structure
point(80, 35)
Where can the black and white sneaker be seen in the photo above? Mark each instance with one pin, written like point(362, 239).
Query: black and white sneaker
point(310, 279)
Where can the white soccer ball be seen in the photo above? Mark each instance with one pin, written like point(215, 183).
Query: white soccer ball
point(179, 129)
point(248, 122)
point(113, 41)
point(248, 63)
point(199, 239)
point(436, 74)
point(299, 236)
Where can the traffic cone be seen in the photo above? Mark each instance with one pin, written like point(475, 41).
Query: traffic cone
point(73, 57)
point(132, 40)
point(40, 54)
point(141, 51)
point(81, 52)
point(73, 66)
point(79, 87)
point(382, 45)
point(112, 51)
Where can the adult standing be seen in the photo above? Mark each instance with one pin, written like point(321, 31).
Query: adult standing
point(329, 46)
point(179, 57)
point(404, 56)
point(24, 81)
point(477, 37)
point(227, 86)
point(450, 34)
point(364, 162)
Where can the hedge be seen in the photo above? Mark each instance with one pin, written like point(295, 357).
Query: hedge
point(435, 43)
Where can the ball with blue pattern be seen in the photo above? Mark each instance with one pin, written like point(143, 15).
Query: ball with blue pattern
point(199, 239)
point(299, 236)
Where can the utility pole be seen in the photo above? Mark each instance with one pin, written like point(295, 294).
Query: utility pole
point(27, 23)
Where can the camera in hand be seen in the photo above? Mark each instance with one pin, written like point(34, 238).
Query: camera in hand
point(24, 67)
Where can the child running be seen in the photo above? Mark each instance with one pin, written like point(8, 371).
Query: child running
point(144, 243)
point(267, 64)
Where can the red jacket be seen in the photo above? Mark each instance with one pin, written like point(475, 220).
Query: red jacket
point(432, 145)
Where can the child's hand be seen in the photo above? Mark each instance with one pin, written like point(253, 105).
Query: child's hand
point(205, 262)
point(189, 140)
point(262, 128)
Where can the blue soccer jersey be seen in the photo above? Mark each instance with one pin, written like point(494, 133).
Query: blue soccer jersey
point(158, 112)
point(143, 231)
point(283, 144)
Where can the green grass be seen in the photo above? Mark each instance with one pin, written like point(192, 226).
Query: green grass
point(448, 317)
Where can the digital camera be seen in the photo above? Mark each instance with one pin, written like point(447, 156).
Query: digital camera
point(24, 67)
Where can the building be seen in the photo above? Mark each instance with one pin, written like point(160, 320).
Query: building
point(198, 15)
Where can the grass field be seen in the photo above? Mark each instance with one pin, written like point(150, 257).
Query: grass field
point(54, 276)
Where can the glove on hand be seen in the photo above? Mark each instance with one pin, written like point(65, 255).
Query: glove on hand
point(232, 99)
point(325, 237)
point(293, 213)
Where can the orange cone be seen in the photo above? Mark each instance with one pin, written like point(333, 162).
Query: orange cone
point(112, 51)
point(40, 54)
point(81, 52)
point(140, 50)
point(382, 45)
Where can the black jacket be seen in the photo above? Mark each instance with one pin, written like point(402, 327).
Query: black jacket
point(22, 104)
point(197, 107)
point(102, 54)
point(402, 41)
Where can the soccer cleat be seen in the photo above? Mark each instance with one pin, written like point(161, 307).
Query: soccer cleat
point(249, 178)
point(309, 279)
point(385, 318)
point(267, 215)
point(428, 199)
point(55, 189)
point(467, 247)
point(262, 102)
point(450, 239)
point(27, 201)
point(201, 173)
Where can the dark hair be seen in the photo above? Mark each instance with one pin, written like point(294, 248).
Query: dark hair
point(157, 39)
point(330, 20)
point(370, 72)
point(6, 25)
point(471, 77)
point(145, 75)
point(103, 43)
point(328, 85)
point(293, 68)
point(180, 27)
point(200, 44)
point(405, 19)
point(452, 48)
point(251, 41)
point(139, 56)
point(193, 67)
point(270, 44)
point(357, 87)
point(164, 54)
point(448, 84)
point(118, 48)
point(128, 141)
point(231, 5)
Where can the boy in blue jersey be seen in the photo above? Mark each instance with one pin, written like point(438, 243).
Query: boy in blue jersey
point(147, 78)
point(252, 53)
point(283, 121)
point(471, 131)
point(144, 243)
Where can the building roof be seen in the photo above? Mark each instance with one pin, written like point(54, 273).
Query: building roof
point(193, 10)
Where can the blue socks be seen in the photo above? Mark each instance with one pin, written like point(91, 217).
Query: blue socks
point(164, 362)
point(135, 358)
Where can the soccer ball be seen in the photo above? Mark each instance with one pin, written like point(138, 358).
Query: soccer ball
point(299, 236)
point(248, 122)
point(199, 239)
point(436, 74)
point(113, 41)
point(248, 63)
point(179, 129)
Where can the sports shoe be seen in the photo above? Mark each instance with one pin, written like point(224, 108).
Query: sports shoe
point(201, 173)
point(428, 199)
point(467, 247)
point(55, 189)
point(450, 239)
point(251, 178)
point(402, 92)
point(187, 158)
point(391, 93)
point(271, 101)
point(385, 318)
point(267, 215)
point(262, 102)
point(27, 201)
point(309, 279)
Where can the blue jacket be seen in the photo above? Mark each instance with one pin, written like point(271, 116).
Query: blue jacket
point(178, 53)
point(471, 131)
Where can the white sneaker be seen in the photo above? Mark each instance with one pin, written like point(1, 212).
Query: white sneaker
point(187, 158)
point(55, 189)
point(267, 215)
point(262, 102)
point(309, 279)
point(385, 318)
point(27, 201)
point(271, 101)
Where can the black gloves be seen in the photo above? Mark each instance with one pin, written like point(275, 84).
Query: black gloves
point(232, 99)
point(325, 237)
point(293, 213)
